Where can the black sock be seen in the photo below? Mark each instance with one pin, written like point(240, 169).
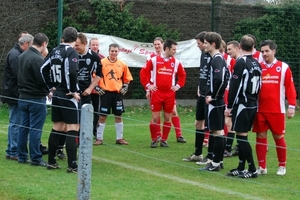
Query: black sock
point(61, 141)
point(218, 148)
point(199, 138)
point(71, 148)
point(223, 150)
point(52, 145)
point(242, 160)
point(229, 141)
point(246, 150)
point(210, 149)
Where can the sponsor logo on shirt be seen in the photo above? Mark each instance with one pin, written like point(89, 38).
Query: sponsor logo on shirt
point(74, 60)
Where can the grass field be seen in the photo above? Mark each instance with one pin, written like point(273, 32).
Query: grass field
point(139, 172)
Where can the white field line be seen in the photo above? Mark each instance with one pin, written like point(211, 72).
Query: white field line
point(180, 180)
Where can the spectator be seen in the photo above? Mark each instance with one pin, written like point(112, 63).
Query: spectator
point(276, 77)
point(217, 83)
point(162, 69)
point(32, 101)
point(59, 72)
point(158, 46)
point(10, 93)
point(116, 78)
point(244, 88)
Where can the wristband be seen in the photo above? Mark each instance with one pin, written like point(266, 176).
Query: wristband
point(292, 107)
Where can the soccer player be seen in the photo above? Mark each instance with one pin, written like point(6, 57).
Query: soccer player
point(10, 93)
point(162, 69)
point(276, 77)
point(95, 47)
point(158, 45)
point(59, 72)
point(201, 106)
point(216, 85)
point(32, 101)
point(244, 88)
point(256, 54)
point(113, 85)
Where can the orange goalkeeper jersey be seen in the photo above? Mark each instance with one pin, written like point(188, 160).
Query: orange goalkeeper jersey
point(114, 75)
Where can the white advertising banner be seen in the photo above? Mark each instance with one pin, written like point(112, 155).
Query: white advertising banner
point(134, 54)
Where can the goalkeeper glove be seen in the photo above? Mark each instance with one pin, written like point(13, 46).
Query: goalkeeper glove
point(99, 90)
point(124, 89)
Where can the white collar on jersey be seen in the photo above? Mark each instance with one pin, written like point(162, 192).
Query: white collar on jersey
point(270, 64)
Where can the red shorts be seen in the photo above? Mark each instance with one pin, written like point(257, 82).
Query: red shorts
point(162, 99)
point(273, 121)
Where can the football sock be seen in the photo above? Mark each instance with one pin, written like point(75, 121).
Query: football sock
point(153, 131)
point(242, 160)
point(246, 150)
point(176, 124)
point(229, 141)
point(61, 141)
point(71, 148)
point(281, 151)
point(224, 142)
point(119, 130)
point(218, 148)
point(166, 130)
point(261, 151)
point(158, 132)
point(199, 137)
point(210, 149)
point(100, 131)
point(52, 145)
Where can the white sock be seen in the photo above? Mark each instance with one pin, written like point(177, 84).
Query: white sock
point(119, 130)
point(100, 131)
point(215, 164)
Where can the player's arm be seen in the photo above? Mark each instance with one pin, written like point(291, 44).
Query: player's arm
point(235, 83)
point(127, 78)
point(145, 74)
point(48, 74)
point(218, 72)
point(181, 78)
point(290, 90)
point(73, 71)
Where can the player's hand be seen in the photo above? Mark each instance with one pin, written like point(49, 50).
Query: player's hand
point(227, 112)
point(124, 89)
point(75, 96)
point(99, 90)
point(175, 88)
point(208, 99)
point(290, 113)
point(87, 92)
point(148, 94)
point(152, 88)
point(50, 95)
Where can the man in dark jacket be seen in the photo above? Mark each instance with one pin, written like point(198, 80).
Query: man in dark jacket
point(32, 100)
point(10, 93)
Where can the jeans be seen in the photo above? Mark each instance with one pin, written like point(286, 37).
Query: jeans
point(34, 113)
point(15, 120)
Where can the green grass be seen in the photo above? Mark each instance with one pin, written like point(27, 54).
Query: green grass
point(139, 172)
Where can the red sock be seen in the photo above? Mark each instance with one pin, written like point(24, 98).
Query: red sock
point(176, 124)
point(153, 130)
point(166, 130)
point(261, 151)
point(206, 136)
point(281, 151)
point(225, 130)
point(158, 128)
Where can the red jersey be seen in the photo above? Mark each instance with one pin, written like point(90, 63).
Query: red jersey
point(163, 73)
point(277, 84)
point(230, 61)
point(257, 55)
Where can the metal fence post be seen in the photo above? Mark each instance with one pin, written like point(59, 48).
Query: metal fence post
point(85, 153)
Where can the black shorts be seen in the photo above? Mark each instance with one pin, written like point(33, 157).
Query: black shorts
point(201, 108)
point(243, 116)
point(65, 108)
point(112, 101)
point(215, 115)
point(85, 99)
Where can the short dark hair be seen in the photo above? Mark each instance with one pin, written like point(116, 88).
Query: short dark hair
point(113, 45)
point(39, 39)
point(234, 43)
point(200, 36)
point(22, 33)
point(247, 43)
point(213, 37)
point(270, 43)
point(254, 39)
point(69, 35)
point(168, 43)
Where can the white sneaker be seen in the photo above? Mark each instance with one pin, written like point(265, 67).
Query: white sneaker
point(205, 161)
point(262, 171)
point(281, 171)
